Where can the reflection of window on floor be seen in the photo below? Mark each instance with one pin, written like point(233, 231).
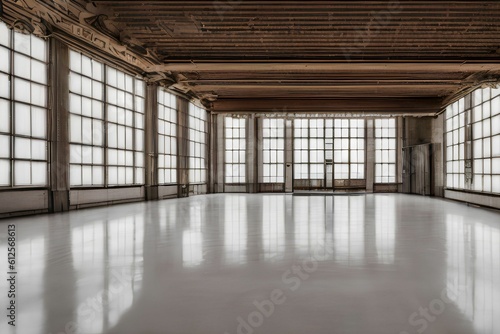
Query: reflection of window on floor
point(235, 229)
point(385, 225)
point(473, 271)
point(348, 229)
point(273, 227)
point(309, 223)
point(192, 241)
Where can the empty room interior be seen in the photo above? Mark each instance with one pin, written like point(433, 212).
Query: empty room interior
point(249, 167)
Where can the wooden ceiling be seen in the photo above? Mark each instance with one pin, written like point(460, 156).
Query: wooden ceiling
point(231, 52)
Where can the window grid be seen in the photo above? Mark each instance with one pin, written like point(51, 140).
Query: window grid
point(23, 109)
point(455, 145)
point(106, 125)
point(197, 144)
point(167, 137)
point(309, 149)
point(486, 140)
point(235, 139)
point(273, 153)
point(385, 150)
point(349, 149)
point(125, 97)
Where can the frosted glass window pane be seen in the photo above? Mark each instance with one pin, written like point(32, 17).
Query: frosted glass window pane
point(495, 166)
point(75, 59)
point(75, 129)
point(4, 172)
point(86, 131)
point(22, 66)
point(38, 95)
point(86, 66)
point(22, 147)
point(87, 175)
point(86, 87)
point(4, 86)
point(38, 72)
point(4, 34)
point(98, 175)
point(139, 140)
point(38, 173)
point(4, 60)
point(97, 71)
point(495, 125)
point(75, 83)
point(22, 43)
point(22, 90)
point(97, 90)
point(496, 146)
point(38, 48)
point(38, 122)
point(98, 133)
point(4, 146)
point(75, 153)
point(495, 184)
point(75, 174)
point(22, 172)
point(38, 150)
point(22, 119)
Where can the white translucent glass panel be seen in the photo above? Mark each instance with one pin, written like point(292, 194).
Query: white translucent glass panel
point(122, 127)
point(197, 144)
point(301, 149)
point(385, 150)
point(87, 131)
point(125, 132)
point(485, 141)
point(235, 151)
point(273, 150)
point(455, 144)
point(23, 113)
point(349, 149)
point(167, 137)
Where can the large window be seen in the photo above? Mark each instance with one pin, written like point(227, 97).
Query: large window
point(273, 143)
point(23, 109)
point(122, 127)
point(309, 149)
point(486, 140)
point(385, 150)
point(125, 119)
point(473, 142)
point(455, 145)
point(86, 121)
point(235, 160)
point(167, 137)
point(197, 144)
point(349, 149)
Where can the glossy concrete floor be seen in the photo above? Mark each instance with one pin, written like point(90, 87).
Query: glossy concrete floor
point(259, 264)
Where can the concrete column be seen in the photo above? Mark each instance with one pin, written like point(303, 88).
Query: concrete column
point(259, 158)
point(58, 131)
point(251, 155)
point(183, 146)
point(288, 156)
point(399, 153)
point(151, 134)
point(438, 155)
point(370, 155)
point(219, 177)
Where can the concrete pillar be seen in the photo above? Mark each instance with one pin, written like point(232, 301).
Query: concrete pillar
point(58, 134)
point(370, 155)
point(288, 156)
point(438, 155)
point(183, 146)
point(399, 153)
point(151, 134)
point(259, 158)
point(219, 161)
point(251, 155)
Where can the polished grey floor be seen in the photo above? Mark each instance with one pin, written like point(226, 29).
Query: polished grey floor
point(259, 264)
